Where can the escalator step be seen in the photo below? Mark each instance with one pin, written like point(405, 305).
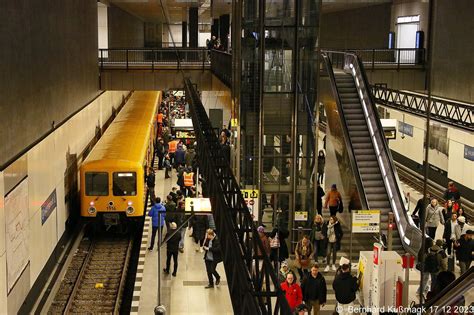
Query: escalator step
point(359, 139)
point(365, 145)
point(365, 157)
point(349, 99)
point(348, 89)
point(365, 151)
point(360, 133)
point(368, 164)
point(356, 122)
point(377, 197)
point(373, 183)
point(354, 116)
point(358, 128)
point(373, 176)
point(379, 204)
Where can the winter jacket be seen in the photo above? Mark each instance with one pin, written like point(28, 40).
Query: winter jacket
point(189, 157)
point(434, 216)
point(150, 180)
point(172, 245)
point(266, 246)
point(157, 209)
point(314, 288)
point(293, 294)
point(464, 250)
point(452, 194)
point(179, 156)
point(447, 230)
point(441, 257)
point(337, 230)
point(199, 224)
point(321, 164)
point(345, 286)
point(333, 198)
point(215, 249)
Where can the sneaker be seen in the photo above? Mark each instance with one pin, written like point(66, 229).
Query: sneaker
point(218, 281)
point(150, 248)
point(201, 250)
point(166, 271)
point(209, 286)
point(333, 268)
point(181, 250)
point(326, 269)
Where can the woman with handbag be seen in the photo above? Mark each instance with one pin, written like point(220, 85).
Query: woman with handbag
point(303, 252)
point(317, 237)
point(332, 232)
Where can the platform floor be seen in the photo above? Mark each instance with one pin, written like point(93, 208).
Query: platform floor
point(185, 294)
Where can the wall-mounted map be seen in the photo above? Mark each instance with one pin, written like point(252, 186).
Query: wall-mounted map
point(17, 227)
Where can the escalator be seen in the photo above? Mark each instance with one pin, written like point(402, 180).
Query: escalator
point(376, 178)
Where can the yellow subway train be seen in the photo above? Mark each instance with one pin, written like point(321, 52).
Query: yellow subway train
point(112, 177)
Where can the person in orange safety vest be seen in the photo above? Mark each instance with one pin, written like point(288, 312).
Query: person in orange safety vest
point(188, 176)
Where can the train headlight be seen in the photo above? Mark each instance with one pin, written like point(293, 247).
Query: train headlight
point(130, 210)
point(91, 203)
point(130, 203)
point(92, 210)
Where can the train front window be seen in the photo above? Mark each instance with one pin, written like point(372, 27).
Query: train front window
point(97, 184)
point(125, 184)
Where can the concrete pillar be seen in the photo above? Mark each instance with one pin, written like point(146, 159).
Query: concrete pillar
point(193, 27)
point(184, 34)
point(224, 25)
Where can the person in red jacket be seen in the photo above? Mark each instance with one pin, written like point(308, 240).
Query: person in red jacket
point(293, 292)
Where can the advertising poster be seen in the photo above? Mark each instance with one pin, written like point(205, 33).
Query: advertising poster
point(17, 226)
point(48, 207)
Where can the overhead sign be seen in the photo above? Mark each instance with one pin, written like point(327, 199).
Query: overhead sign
point(48, 207)
point(468, 152)
point(301, 215)
point(365, 221)
point(251, 199)
point(405, 128)
point(197, 205)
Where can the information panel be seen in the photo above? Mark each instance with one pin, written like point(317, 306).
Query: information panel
point(198, 205)
point(365, 221)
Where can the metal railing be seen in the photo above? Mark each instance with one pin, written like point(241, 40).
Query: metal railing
point(153, 58)
point(252, 281)
point(221, 66)
point(450, 112)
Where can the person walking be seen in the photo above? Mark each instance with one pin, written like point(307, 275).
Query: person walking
point(314, 289)
point(317, 238)
point(303, 252)
point(180, 213)
point(170, 211)
point(321, 166)
point(345, 287)
point(188, 180)
point(424, 288)
point(150, 184)
point(172, 249)
point(172, 146)
point(292, 290)
point(179, 156)
point(452, 193)
point(333, 200)
point(199, 224)
point(212, 257)
point(189, 157)
point(319, 201)
point(167, 166)
point(452, 232)
point(436, 261)
point(465, 250)
point(434, 216)
point(160, 152)
point(265, 242)
point(157, 214)
point(332, 232)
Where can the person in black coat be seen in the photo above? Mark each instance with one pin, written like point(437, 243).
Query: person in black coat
point(150, 184)
point(319, 200)
point(345, 287)
point(172, 246)
point(200, 224)
point(314, 289)
point(212, 257)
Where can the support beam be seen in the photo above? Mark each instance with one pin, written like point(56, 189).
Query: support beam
point(184, 34)
point(193, 27)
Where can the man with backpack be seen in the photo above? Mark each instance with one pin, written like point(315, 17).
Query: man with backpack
point(436, 261)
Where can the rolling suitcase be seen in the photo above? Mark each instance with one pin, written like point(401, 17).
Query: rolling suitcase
point(452, 259)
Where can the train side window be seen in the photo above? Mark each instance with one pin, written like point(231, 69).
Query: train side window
point(125, 184)
point(97, 184)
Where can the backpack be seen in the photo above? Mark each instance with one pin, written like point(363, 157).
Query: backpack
point(431, 262)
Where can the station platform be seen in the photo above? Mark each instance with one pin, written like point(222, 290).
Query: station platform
point(185, 293)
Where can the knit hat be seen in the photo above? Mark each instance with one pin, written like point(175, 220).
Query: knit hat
point(260, 229)
point(333, 186)
point(462, 219)
point(344, 261)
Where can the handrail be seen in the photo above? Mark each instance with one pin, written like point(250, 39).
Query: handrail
point(345, 130)
point(252, 280)
point(451, 294)
point(451, 112)
point(150, 58)
point(410, 235)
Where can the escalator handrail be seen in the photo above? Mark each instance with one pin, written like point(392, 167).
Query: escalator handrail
point(451, 293)
point(352, 159)
point(393, 181)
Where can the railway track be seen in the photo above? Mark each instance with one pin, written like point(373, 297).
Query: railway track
point(94, 281)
